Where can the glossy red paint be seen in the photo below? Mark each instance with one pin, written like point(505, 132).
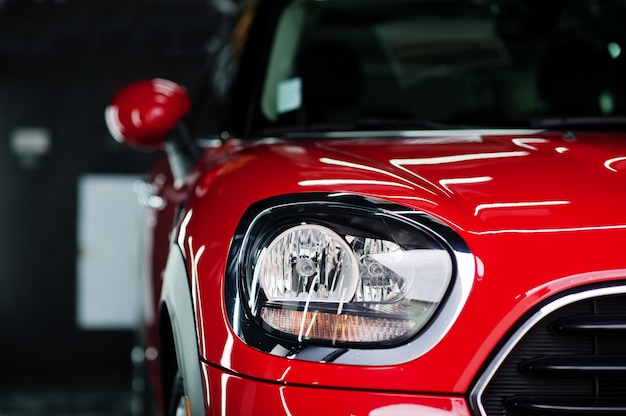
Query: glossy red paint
point(527, 205)
point(160, 199)
point(262, 398)
point(144, 112)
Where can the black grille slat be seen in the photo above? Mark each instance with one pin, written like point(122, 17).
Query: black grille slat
point(592, 323)
point(566, 406)
point(572, 361)
point(576, 364)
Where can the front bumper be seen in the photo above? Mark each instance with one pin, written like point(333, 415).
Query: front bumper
point(231, 394)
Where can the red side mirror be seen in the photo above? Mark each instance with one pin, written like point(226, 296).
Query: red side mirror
point(144, 112)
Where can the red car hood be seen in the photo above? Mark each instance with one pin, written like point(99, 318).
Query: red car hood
point(494, 184)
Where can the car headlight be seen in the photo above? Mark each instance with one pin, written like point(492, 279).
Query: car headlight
point(341, 275)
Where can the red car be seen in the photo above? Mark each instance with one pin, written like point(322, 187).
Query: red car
point(390, 208)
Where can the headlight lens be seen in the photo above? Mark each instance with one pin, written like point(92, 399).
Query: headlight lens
point(343, 276)
point(308, 263)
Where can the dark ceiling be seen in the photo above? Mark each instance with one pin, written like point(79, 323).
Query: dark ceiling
point(36, 30)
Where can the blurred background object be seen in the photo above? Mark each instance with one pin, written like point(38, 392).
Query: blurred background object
point(60, 64)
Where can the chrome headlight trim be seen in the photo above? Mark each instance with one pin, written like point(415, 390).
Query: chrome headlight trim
point(246, 325)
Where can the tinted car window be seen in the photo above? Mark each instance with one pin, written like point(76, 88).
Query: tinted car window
point(344, 64)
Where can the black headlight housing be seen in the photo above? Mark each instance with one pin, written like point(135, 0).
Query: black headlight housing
point(339, 272)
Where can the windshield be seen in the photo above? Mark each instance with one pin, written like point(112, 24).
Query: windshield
point(388, 64)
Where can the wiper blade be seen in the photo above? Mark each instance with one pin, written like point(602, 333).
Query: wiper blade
point(360, 124)
point(594, 122)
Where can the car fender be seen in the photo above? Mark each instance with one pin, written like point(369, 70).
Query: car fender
point(176, 297)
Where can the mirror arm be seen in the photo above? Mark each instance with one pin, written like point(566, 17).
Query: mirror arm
point(186, 140)
point(181, 152)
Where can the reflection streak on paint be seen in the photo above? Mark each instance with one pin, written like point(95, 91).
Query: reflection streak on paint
point(439, 160)
point(370, 169)
point(331, 182)
point(608, 164)
point(463, 181)
point(499, 205)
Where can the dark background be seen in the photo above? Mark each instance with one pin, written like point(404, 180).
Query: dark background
point(60, 64)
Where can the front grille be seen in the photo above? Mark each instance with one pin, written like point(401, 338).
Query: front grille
point(570, 359)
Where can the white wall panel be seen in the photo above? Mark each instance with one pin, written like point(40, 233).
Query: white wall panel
point(108, 252)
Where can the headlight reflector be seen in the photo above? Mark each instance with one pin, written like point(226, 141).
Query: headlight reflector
point(308, 263)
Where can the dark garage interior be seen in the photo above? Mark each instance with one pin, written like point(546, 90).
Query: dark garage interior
point(61, 62)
